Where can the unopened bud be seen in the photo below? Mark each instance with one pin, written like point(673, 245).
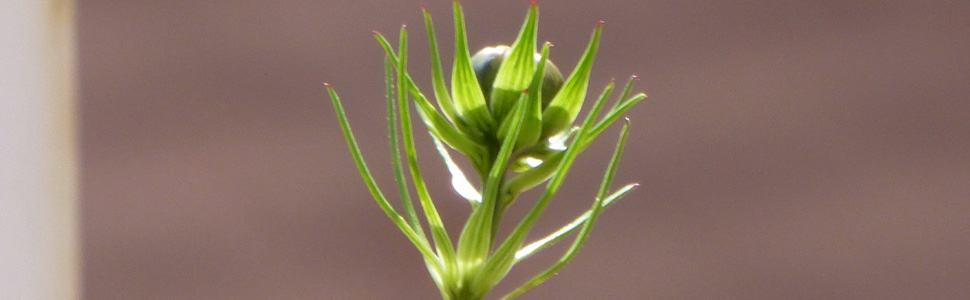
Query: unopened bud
point(487, 61)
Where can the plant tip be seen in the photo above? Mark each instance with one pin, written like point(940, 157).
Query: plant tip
point(469, 122)
point(635, 77)
point(326, 84)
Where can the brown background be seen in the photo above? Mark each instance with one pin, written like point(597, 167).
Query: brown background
point(788, 149)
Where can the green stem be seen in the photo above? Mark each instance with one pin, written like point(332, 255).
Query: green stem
point(497, 210)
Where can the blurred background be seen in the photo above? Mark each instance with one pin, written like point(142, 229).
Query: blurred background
point(787, 150)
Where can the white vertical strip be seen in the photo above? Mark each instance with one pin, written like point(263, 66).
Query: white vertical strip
point(39, 252)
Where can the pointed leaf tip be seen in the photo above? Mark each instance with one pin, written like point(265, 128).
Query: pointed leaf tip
point(601, 23)
point(635, 77)
point(326, 84)
point(374, 32)
point(424, 6)
point(533, 2)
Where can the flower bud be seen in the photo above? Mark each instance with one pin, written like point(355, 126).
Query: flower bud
point(486, 63)
point(501, 98)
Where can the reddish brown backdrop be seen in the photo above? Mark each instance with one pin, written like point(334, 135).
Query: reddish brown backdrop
point(788, 149)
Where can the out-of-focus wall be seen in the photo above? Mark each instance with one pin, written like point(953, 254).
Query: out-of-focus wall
point(788, 149)
point(39, 246)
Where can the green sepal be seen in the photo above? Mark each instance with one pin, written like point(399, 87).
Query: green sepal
point(516, 71)
point(465, 90)
point(565, 106)
point(445, 102)
point(532, 128)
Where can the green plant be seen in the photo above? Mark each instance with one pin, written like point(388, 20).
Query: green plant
point(517, 133)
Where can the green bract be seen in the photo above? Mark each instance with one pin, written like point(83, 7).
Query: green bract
point(510, 112)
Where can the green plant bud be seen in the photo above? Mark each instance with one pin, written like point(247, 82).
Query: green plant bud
point(509, 110)
point(486, 63)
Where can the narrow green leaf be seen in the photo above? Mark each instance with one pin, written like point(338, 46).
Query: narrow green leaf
point(587, 226)
point(614, 115)
point(517, 70)
point(551, 239)
point(386, 45)
point(396, 152)
point(441, 240)
point(465, 90)
point(402, 224)
point(565, 106)
point(626, 93)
